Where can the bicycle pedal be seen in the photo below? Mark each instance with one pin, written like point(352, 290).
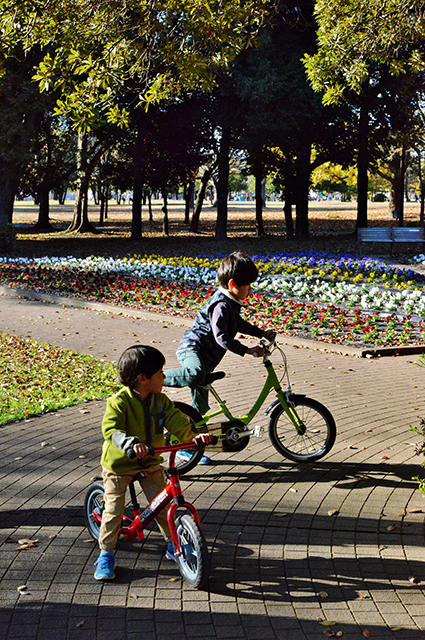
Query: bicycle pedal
point(257, 432)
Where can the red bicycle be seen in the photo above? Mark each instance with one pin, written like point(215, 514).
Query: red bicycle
point(190, 548)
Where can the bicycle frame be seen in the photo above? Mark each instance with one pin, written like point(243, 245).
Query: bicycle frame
point(172, 492)
point(271, 382)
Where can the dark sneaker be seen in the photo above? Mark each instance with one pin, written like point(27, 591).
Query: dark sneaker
point(105, 566)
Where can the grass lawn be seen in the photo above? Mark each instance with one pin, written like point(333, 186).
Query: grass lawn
point(36, 378)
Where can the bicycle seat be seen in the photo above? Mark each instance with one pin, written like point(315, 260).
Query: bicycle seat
point(212, 377)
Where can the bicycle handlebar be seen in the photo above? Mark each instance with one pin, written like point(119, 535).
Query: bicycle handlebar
point(192, 444)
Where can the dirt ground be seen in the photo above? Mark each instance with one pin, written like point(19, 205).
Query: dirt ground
point(332, 227)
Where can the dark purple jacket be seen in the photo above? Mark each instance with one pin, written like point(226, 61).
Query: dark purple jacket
point(214, 329)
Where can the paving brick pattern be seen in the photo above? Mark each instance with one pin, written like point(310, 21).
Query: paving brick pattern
point(281, 563)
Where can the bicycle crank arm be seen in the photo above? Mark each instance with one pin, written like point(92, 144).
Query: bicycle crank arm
point(256, 432)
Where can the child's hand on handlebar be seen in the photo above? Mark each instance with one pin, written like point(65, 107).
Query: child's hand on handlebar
point(141, 450)
point(255, 351)
point(204, 438)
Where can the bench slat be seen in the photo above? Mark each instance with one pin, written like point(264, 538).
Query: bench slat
point(406, 234)
point(390, 234)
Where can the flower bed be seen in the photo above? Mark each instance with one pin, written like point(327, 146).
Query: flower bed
point(335, 299)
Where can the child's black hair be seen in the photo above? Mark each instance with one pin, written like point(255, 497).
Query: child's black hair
point(238, 266)
point(136, 360)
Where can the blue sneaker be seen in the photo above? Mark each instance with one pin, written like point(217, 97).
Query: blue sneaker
point(183, 455)
point(105, 566)
point(169, 554)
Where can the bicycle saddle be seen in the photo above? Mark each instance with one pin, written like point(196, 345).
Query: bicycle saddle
point(212, 377)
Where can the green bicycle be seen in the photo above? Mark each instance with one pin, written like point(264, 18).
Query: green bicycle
point(300, 428)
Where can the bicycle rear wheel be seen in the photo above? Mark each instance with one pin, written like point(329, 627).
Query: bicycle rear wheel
point(194, 416)
point(194, 562)
point(319, 430)
point(93, 506)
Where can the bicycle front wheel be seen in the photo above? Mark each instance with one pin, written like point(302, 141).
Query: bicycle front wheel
point(194, 561)
point(194, 416)
point(93, 508)
point(319, 430)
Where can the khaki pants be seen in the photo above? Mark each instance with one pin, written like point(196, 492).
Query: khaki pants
point(115, 490)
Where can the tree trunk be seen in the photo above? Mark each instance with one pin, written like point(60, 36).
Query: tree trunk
point(301, 192)
point(401, 186)
point(288, 211)
point(223, 184)
point(136, 208)
point(194, 225)
point(8, 189)
point(362, 167)
point(80, 221)
point(164, 193)
point(259, 226)
point(106, 200)
point(150, 206)
point(189, 200)
point(43, 222)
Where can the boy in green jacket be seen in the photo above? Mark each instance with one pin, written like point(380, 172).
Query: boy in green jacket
point(135, 418)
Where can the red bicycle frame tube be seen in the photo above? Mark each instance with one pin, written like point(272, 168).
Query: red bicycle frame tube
point(171, 491)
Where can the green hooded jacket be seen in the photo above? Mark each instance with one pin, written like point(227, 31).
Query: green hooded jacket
point(128, 420)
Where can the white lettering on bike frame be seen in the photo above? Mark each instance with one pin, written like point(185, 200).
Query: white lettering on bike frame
point(156, 503)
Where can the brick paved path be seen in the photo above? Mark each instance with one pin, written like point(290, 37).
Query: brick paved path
point(280, 562)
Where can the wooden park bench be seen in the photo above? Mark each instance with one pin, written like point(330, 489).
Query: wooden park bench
point(390, 235)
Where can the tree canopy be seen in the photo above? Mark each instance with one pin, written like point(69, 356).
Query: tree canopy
point(354, 34)
point(94, 50)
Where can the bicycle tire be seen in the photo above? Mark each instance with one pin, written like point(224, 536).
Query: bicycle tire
point(319, 436)
point(94, 502)
point(194, 416)
point(193, 563)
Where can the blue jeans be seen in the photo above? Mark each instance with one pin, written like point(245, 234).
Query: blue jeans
point(191, 374)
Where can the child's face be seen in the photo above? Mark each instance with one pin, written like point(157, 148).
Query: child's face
point(240, 292)
point(150, 385)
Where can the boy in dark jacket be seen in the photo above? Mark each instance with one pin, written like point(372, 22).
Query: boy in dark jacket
point(214, 329)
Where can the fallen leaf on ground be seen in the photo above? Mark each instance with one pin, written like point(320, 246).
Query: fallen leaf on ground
point(414, 511)
point(280, 515)
point(293, 490)
point(329, 633)
point(80, 624)
point(323, 594)
point(27, 546)
point(174, 579)
point(83, 410)
point(414, 580)
point(396, 628)
point(328, 623)
point(366, 633)
point(23, 588)
point(391, 527)
point(44, 444)
point(362, 595)
point(333, 512)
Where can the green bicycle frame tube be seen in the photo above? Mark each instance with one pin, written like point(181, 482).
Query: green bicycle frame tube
point(271, 382)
